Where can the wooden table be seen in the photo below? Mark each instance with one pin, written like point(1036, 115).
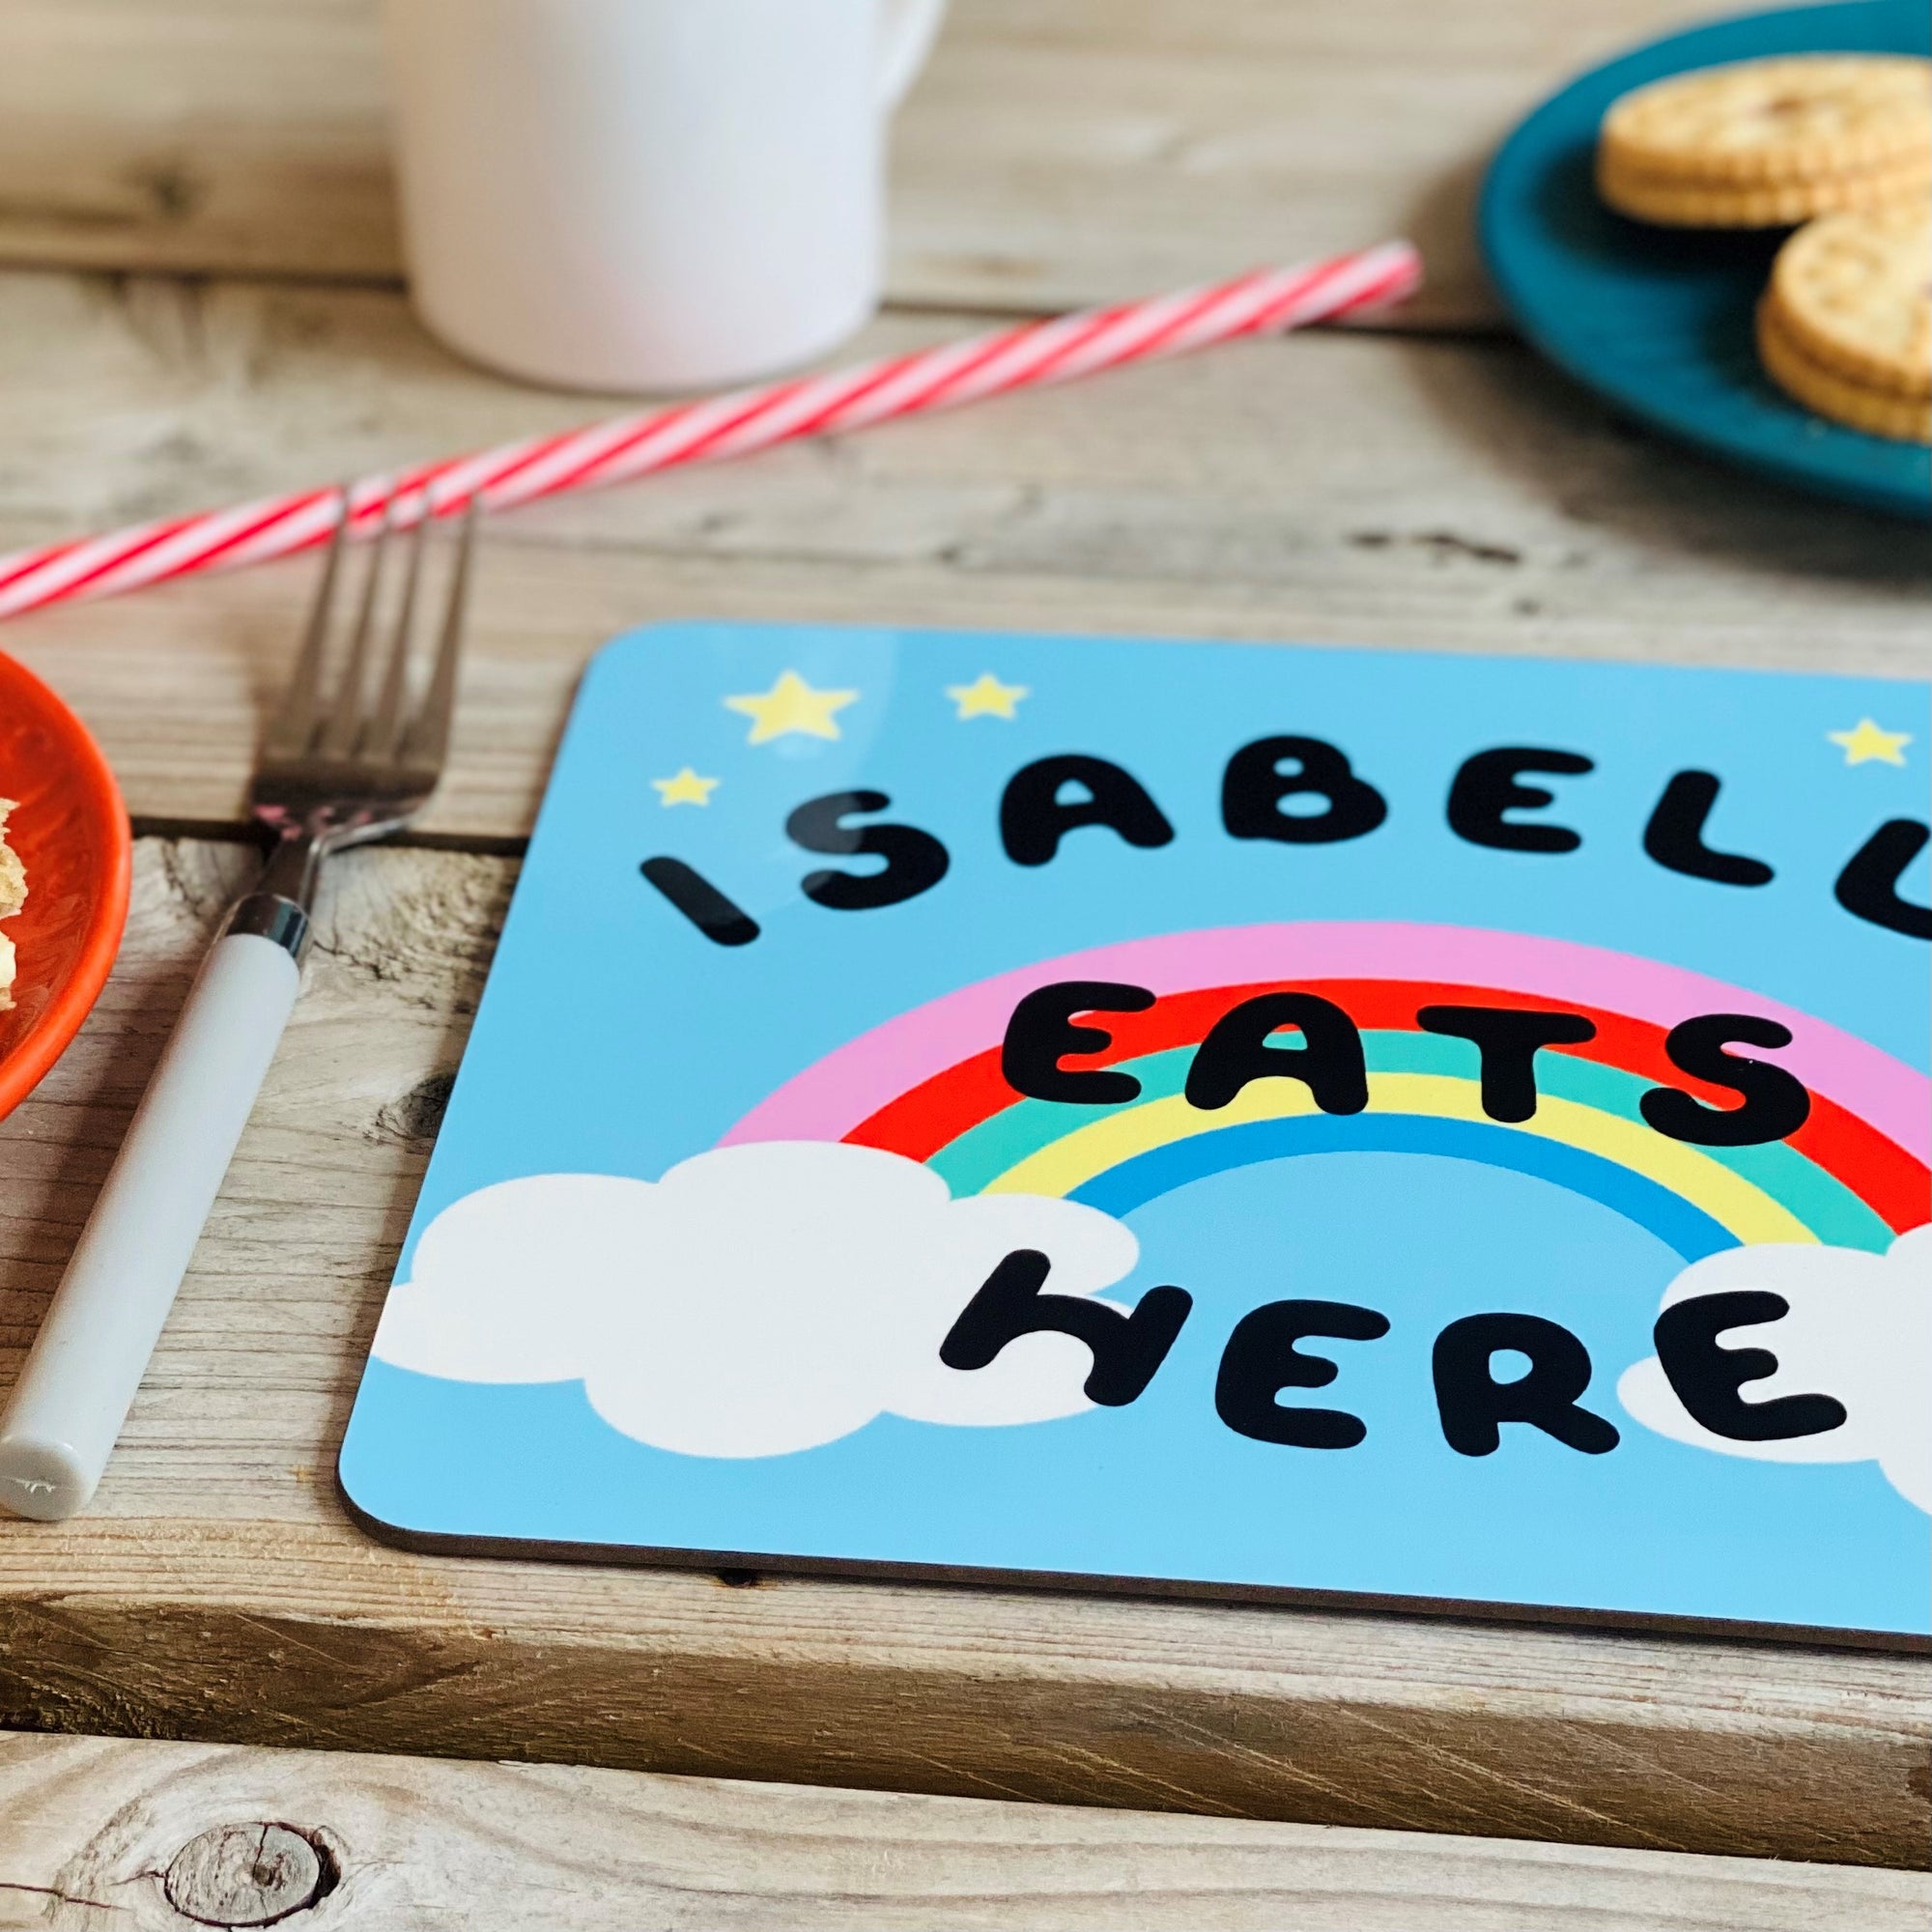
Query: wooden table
point(198, 302)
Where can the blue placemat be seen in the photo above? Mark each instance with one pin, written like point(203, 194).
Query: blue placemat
point(883, 1015)
point(1660, 319)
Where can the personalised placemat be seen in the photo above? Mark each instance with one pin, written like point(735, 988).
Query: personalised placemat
point(1196, 1118)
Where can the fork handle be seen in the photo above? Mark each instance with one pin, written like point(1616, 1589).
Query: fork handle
point(94, 1345)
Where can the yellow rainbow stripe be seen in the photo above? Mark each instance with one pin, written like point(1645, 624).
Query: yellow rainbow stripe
point(1734, 1203)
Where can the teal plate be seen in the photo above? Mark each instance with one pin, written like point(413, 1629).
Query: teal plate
point(1659, 320)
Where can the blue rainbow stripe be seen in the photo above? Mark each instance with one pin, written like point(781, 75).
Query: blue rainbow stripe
point(1674, 1221)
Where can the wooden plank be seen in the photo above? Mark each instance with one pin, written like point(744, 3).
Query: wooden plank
point(97, 1832)
point(195, 135)
point(1440, 494)
point(217, 1592)
point(1058, 152)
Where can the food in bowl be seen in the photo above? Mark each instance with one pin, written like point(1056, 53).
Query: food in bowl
point(12, 896)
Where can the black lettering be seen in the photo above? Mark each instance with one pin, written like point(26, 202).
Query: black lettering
point(700, 902)
point(1128, 1348)
point(1041, 1032)
point(1775, 1104)
point(1473, 1405)
point(915, 861)
point(1032, 820)
point(1485, 787)
point(1707, 1378)
point(1508, 1041)
point(1868, 886)
point(1675, 834)
point(1254, 786)
point(1328, 1062)
point(1261, 1359)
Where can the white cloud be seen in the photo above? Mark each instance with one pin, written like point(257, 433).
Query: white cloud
point(1860, 1328)
point(758, 1299)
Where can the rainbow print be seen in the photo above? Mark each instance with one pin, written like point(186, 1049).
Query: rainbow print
point(927, 1085)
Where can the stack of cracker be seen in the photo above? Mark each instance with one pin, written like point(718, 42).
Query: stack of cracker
point(1841, 143)
point(12, 896)
point(1766, 143)
point(1846, 323)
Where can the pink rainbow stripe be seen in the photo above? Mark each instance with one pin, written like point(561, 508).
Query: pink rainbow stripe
point(854, 1081)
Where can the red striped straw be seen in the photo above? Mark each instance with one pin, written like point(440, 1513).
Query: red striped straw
point(1268, 302)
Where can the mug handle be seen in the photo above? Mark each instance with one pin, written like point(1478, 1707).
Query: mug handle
point(909, 28)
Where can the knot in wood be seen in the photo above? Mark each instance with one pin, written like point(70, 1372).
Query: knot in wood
point(248, 1875)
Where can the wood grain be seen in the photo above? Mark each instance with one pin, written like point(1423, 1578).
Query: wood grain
point(1057, 151)
point(98, 1834)
point(218, 1593)
point(1427, 489)
point(1446, 496)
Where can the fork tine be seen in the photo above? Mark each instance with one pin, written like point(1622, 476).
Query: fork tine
point(429, 737)
point(344, 724)
point(384, 732)
point(289, 729)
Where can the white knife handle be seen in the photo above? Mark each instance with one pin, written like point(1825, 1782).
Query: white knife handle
point(79, 1379)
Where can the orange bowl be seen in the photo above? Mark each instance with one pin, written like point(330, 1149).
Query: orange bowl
point(71, 831)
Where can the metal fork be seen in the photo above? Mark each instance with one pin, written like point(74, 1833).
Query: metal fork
point(338, 767)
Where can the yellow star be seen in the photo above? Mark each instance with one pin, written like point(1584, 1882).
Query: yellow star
point(685, 788)
point(790, 705)
point(987, 696)
point(1868, 742)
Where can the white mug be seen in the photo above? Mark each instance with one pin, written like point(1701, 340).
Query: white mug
point(647, 194)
